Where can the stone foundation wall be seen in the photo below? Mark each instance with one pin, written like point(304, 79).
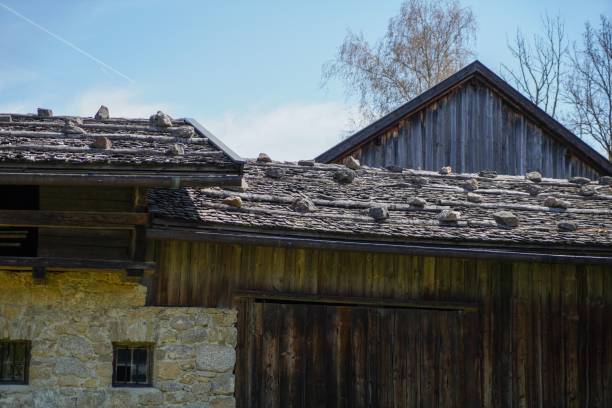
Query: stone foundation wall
point(72, 322)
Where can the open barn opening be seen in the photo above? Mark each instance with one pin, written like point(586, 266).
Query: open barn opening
point(18, 241)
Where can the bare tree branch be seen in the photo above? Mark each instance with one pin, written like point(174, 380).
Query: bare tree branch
point(589, 85)
point(424, 44)
point(541, 62)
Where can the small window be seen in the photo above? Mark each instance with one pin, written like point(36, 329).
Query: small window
point(132, 365)
point(14, 362)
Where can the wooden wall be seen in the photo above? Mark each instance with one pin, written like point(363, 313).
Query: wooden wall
point(546, 331)
point(79, 242)
point(471, 129)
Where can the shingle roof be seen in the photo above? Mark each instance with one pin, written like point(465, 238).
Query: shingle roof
point(319, 200)
point(158, 144)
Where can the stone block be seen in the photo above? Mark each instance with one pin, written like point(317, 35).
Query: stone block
point(216, 357)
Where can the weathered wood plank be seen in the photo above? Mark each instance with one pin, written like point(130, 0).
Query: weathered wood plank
point(80, 219)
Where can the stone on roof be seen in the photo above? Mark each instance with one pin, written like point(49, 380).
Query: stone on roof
point(474, 198)
point(446, 170)
point(506, 218)
point(344, 176)
point(534, 176)
point(102, 113)
point(471, 184)
point(449, 216)
point(233, 201)
point(394, 169)
point(579, 180)
point(555, 202)
point(303, 205)
point(352, 163)
point(176, 150)
point(567, 226)
point(263, 158)
point(418, 202)
point(487, 174)
point(102, 142)
point(308, 163)
point(275, 172)
point(44, 113)
point(379, 213)
point(160, 119)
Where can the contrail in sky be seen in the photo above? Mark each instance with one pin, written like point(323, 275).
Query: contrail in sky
point(66, 42)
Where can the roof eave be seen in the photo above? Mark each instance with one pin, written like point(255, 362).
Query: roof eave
point(120, 179)
point(237, 159)
point(168, 231)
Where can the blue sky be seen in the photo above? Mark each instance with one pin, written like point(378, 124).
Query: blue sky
point(247, 70)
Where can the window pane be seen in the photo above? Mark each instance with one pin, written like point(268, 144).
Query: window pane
point(140, 374)
point(140, 365)
point(123, 356)
point(132, 365)
point(19, 372)
point(123, 374)
point(13, 361)
point(140, 356)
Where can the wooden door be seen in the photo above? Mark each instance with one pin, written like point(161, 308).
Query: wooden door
point(326, 355)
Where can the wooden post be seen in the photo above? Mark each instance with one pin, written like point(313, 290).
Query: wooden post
point(39, 274)
point(139, 236)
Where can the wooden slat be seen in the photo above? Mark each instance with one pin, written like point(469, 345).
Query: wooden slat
point(338, 300)
point(73, 263)
point(85, 243)
point(81, 219)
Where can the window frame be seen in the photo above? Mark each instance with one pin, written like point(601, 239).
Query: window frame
point(149, 372)
point(26, 362)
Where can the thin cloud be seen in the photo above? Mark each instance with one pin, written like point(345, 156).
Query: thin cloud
point(18, 106)
point(122, 102)
point(13, 77)
point(66, 42)
point(291, 132)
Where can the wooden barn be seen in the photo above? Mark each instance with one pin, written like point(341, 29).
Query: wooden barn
point(147, 265)
point(379, 288)
point(472, 121)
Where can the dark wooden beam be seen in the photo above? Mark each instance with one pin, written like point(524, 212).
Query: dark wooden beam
point(74, 263)
point(286, 241)
point(9, 177)
point(354, 301)
point(133, 275)
point(79, 219)
point(140, 199)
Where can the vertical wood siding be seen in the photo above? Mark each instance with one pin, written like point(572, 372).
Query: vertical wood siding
point(471, 129)
point(545, 329)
